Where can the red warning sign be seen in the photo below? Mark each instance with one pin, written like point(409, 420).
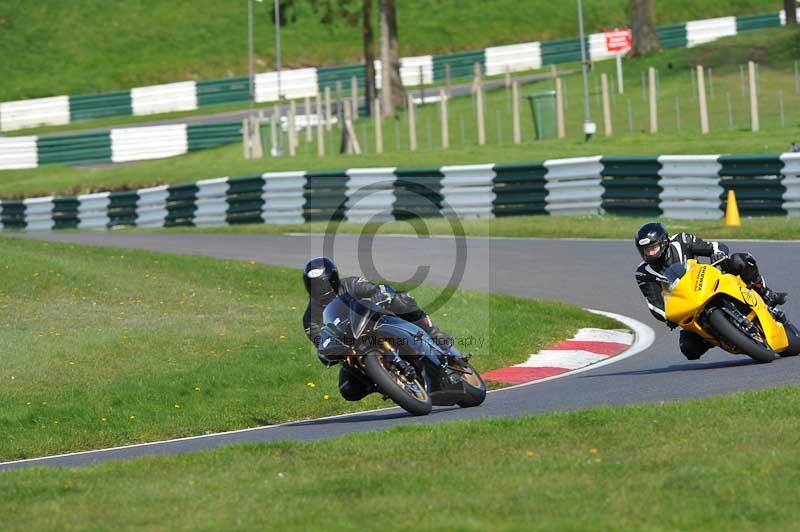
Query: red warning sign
point(618, 40)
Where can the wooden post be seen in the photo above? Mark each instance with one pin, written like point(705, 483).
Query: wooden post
point(307, 108)
point(553, 71)
point(652, 97)
point(339, 106)
point(348, 131)
point(754, 123)
point(274, 131)
point(607, 129)
point(508, 77)
point(378, 118)
point(560, 110)
point(291, 129)
point(320, 126)
point(517, 134)
point(479, 107)
point(476, 77)
point(701, 94)
point(620, 80)
point(328, 112)
point(354, 97)
point(444, 124)
point(412, 124)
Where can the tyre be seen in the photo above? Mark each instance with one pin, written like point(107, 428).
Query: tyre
point(739, 339)
point(474, 387)
point(411, 396)
point(794, 341)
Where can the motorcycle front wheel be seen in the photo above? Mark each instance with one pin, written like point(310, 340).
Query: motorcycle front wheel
point(474, 387)
point(733, 335)
point(411, 395)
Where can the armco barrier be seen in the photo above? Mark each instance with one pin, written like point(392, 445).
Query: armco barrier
point(673, 186)
point(115, 145)
point(303, 82)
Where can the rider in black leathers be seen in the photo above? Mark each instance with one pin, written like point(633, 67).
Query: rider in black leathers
point(321, 278)
point(659, 251)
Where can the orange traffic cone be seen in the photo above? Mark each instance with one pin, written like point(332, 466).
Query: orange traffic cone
point(732, 211)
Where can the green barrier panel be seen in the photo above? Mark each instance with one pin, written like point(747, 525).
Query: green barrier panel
point(65, 212)
point(325, 196)
point(461, 64)
point(202, 136)
point(245, 200)
point(562, 51)
point(181, 204)
point(760, 196)
point(328, 76)
point(87, 106)
point(672, 36)
point(519, 189)
point(75, 149)
point(418, 193)
point(228, 90)
point(122, 208)
point(12, 214)
point(631, 186)
point(748, 23)
point(750, 165)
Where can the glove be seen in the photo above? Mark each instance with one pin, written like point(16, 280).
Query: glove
point(718, 256)
point(381, 298)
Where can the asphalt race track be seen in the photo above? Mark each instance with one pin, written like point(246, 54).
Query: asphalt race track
point(588, 273)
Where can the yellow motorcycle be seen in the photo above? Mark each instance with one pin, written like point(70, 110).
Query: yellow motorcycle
point(724, 311)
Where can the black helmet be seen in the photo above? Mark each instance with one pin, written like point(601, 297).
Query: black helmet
point(652, 241)
point(321, 278)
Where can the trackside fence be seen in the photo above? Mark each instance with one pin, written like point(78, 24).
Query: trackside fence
point(674, 186)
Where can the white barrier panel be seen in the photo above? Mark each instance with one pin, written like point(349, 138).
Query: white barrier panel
point(370, 194)
point(783, 16)
point(39, 213)
point(93, 210)
point(156, 142)
point(283, 197)
point(409, 71)
point(598, 48)
point(513, 58)
point(53, 111)
point(151, 208)
point(791, 169)
point(467, 190)
point(574, 185)
point(710, 29)
point(211, 203)
point(165, 98)
point(690, 186)
point(17, 153)
point(294, 84)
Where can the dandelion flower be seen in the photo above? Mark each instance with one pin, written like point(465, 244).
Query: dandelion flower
point(311, 385)
point(197, 388)
point(132, 417)
point(177, 406)
point(325, 397)
point(103, 420)
point(531, 454)
point(593, 451)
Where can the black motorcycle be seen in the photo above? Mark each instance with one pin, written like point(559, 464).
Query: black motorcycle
point(401, 360)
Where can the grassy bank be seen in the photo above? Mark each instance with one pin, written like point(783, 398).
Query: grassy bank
point(104, 347)
point(711, 464)
point(124, 45)
point(607, 226)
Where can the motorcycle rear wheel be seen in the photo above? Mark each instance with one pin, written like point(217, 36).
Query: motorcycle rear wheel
point(739, 339)
point(395, 386)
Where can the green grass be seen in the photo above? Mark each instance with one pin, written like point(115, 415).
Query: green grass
point(722, 464)
point(772, 47)
point(606, 226)
point(104, 347)
point(129, 44)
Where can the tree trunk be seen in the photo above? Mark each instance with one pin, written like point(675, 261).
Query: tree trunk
point(386, 86)
point(398, 92)
point(790, 6)
point(369, 55)
point(643, 27)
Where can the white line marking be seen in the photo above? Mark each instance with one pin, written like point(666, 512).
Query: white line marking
point(644, 337)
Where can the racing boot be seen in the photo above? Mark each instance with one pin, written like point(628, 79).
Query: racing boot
point(770, 297)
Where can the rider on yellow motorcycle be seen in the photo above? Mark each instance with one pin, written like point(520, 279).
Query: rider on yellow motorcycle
point(659, 251)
